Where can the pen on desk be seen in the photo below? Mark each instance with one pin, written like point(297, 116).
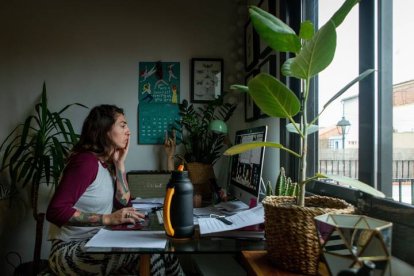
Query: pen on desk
point(224, 220)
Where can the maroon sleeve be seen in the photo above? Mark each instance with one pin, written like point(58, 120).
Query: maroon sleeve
point(79, 173)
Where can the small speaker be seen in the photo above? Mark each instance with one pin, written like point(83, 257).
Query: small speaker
point(146, 184)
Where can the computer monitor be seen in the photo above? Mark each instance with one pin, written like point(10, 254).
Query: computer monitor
point(246, 168)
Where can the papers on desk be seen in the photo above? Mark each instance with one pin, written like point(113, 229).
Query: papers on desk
point(128, 239)
point(147, 204)
point(151, 200)
point(239, 220)
point(206, 211)
point(232, 206)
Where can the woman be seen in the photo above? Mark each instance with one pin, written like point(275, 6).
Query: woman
point(93, 193)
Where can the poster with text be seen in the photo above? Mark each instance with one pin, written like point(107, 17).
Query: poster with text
point(159, 82)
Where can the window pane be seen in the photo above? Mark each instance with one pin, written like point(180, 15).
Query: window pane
point(338, 134)
point(403, 101)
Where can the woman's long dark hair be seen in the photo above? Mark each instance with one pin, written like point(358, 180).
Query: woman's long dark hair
point(94, 136)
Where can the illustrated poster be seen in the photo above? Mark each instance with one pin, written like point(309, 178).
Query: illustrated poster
point(159, 82)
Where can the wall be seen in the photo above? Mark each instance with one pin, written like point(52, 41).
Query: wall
point(88, 52)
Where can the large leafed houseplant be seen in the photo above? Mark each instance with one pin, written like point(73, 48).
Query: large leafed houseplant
point(203, 146)
point(312, 52)
point(34, 153)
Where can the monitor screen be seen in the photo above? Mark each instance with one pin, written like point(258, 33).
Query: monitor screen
point(246, 168)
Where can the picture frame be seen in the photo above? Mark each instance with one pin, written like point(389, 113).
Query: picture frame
point(206, 79)
point(271, 6)
point(268, 65)
point(251, 42)
point(250, 108)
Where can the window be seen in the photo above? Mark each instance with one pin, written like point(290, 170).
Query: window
point(403, 102)
point(375, 104)
point(339, 122)
point(347, 61)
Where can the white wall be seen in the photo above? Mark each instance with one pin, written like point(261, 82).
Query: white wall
point(88, 52)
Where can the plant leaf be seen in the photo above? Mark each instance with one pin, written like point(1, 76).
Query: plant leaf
point(311, 128)
point(239, 148)
point(278, 35)
point(273, 97)
point(343, 11)
point(315, 55)
point(239, 87)
point(354, 183)
point(365, 74)
point(306, 30)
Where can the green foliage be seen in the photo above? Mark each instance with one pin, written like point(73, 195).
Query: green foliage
point(312, 53)
point(283, 187)
point(201, 144)
point(35, 151)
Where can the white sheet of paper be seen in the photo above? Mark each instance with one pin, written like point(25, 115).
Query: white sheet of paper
point(232, 206)
point(206, 211)
point(128, 239)
point(149, 200)
point(145, 206)
point(242, 219)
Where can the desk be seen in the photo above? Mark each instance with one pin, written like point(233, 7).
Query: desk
point(195, 245)
point(257, 264)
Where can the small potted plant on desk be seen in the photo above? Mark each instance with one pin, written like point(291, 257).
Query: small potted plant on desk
point(291, 237)
point(204, 135)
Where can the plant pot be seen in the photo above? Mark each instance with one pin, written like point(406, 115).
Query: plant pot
point(291, 237)
point(200, 175)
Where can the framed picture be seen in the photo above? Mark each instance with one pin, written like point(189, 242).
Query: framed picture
point(206, 79)
point(250, 108)
point(271, 7)
point(268, 65)
point(251, 40)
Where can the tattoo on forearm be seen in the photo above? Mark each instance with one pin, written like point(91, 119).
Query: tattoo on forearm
point(122, 180)
point(121, 198)
point(86, 219)
point(121, 187)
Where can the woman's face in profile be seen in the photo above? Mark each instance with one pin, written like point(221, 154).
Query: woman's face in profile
point(119, 133)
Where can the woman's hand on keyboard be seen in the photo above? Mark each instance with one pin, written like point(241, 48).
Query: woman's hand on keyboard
point(124, 215)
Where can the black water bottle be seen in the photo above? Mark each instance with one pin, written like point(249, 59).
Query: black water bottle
point(178, 206)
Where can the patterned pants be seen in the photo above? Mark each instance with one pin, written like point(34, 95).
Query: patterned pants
point(69, 258)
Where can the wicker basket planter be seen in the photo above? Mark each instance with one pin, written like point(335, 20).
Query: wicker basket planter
point(291, 238)
point(200, 175)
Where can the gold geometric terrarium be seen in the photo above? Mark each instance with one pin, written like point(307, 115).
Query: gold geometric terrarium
point(349, 240)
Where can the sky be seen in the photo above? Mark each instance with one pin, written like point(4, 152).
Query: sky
point(344, 67)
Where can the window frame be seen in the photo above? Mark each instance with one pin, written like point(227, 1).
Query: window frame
point(375, 124)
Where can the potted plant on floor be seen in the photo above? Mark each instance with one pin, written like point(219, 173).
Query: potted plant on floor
point(290, 232)
point(34, 153)
point(204, 132)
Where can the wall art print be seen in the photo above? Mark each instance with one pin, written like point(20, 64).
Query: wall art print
point(159, 82)
point(250, 108)
point(206, 79)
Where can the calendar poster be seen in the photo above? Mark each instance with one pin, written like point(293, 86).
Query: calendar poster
point(155, 120)
point(159, 82)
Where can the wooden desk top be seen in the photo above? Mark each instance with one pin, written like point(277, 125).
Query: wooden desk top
point(257, 264)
